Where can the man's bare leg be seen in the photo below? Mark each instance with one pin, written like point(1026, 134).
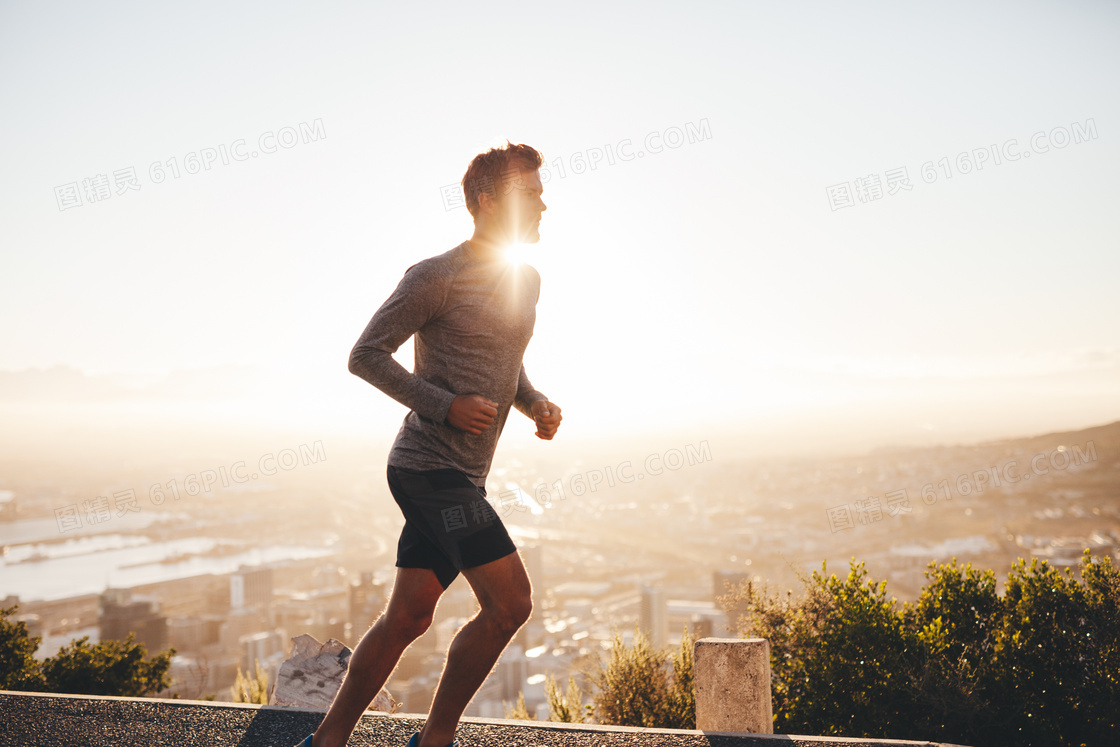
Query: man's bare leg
point(505, 596)
point(408, 615)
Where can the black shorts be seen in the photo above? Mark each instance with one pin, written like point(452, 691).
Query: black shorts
point(449, 525)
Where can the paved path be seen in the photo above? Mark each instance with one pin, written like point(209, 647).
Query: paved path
point(82, 721)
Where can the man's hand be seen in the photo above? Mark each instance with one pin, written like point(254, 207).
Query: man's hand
point(472, 413)
point(547, 417)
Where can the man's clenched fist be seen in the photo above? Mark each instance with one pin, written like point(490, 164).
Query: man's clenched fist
point(547, 417)
point(472, 413)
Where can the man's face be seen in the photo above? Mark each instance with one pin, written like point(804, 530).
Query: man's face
point(520, 205)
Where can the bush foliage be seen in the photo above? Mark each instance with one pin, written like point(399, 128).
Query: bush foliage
point(80, 668)
point(251, 688)
point(640, 686)
point(1039, 665)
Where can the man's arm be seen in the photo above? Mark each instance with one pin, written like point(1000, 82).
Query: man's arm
point(526, 394)
point(415, 301)
point(537, 407)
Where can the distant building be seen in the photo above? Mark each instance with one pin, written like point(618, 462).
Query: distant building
point(263, 647)
point(534, 566)
point(487, 702)
point(193, 633)
point(702, 619)
point(410, 665)
point(446, 630)
point(33, 623)
point(250, 587)
point(367, 599)
point(512, 671)
point(721, 579)
point(457, 602)
point(415, 694)
point(530, 634)
point(9, 508)
point(701, 626)
point(590, 589)
point(323, 613)
point(653, 616)
point(121, 614)
point(241, 623)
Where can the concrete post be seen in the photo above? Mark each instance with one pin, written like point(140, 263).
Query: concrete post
point(732, 679)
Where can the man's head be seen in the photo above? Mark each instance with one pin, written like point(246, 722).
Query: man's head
point(503, 191)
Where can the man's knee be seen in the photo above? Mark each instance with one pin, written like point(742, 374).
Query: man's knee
point(409, 625)
point(523, 611)
point(511, 613)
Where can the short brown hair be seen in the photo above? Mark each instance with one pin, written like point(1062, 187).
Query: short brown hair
point(494, 167)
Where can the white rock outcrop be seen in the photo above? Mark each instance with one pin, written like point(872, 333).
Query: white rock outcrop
point(313, 673)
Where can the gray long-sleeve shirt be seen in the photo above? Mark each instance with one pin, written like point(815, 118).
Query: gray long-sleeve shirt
point(473, 320)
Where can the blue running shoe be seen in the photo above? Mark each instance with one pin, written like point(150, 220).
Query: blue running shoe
point(414, 741)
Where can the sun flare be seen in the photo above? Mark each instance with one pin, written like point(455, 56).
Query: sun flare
point(518, 254)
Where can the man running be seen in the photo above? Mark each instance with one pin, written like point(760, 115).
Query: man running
point(472, 312)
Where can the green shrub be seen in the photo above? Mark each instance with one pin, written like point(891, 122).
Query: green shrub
point(252, 689)
point(80, 668)
point(638, 686)
point(566, 707)
point(1038, 666)
point(18, 668)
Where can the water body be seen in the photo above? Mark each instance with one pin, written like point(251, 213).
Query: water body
point(89, 565)
point(42, 530)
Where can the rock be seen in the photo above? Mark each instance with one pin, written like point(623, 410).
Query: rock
point(313, 673)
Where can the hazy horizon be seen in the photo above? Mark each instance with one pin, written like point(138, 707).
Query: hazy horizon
point(47, 409)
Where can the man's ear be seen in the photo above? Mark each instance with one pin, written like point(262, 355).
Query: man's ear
point(486, 203)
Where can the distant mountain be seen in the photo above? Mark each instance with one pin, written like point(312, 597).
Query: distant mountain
point(1105, 439)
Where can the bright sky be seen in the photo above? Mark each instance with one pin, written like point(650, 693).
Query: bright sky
point(729, 281)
